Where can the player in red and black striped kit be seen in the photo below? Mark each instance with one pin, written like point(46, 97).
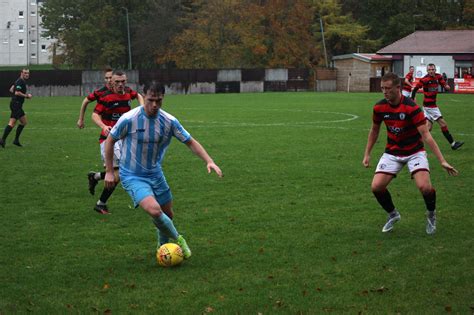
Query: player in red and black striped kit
point(111, 105)
point(95, 96)
point(430, 84)
point(406, 132)
point(408, 82)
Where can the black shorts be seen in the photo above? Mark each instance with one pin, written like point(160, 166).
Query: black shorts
point(17, 110)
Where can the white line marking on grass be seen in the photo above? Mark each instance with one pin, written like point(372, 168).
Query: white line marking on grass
point(351, 116)
point(248, 124)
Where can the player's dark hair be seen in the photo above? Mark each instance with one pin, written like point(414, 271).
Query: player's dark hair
point(154, 87)
point(432, 65)
point(118, 72)
point(390, 76)
point(411, 67)
point(108, 69)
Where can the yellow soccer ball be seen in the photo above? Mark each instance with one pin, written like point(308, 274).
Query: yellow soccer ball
point(169, 255)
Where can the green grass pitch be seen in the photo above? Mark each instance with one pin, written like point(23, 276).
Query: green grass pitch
point(291, 228)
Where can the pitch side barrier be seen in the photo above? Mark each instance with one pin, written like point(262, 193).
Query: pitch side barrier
point(177, 81)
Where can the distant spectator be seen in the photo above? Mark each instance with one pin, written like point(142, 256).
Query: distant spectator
point(445, 78)
point(467, 74)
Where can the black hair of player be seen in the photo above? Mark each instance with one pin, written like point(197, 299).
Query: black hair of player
point(154, 87)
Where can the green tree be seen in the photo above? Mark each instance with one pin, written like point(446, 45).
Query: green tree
point(391, 20)
point(87, 40)
point(342, 33)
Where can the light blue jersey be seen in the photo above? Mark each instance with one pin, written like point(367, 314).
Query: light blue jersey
point(145, 140)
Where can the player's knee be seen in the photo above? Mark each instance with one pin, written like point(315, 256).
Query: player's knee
point(425, 189)
point(155, 212)
point(377, 188)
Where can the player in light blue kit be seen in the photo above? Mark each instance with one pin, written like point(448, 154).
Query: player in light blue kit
point(146, 132)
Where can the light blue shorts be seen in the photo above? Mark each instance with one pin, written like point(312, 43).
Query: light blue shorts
point(141, 187)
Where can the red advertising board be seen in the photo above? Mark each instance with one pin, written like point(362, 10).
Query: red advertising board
point(464, 85)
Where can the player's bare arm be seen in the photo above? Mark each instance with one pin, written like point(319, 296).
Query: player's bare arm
point(80, 121)
point(372, 138)
point(98, 121)
point(199, 150)
point(428, 138)
point(109, 180)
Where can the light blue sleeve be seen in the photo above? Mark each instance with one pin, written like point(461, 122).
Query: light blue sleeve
point(179, 132)
point(120, 130)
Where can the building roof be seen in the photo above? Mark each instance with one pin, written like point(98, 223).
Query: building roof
point(364, 57)
point(433, 42)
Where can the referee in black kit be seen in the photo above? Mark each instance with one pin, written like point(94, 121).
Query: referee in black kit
point(16, 106)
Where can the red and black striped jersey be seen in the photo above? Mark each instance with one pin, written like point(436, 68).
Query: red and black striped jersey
point(409, 77)
point(430, 88)
point(403, 138)
point(111, 106)
point(96, 95)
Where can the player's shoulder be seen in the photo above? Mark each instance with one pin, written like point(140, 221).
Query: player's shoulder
point(408, 102)
point(129, 90)
point(102, 89)
point(167, 116)
point(134, 112)
point(19, 81)
point(382, 102)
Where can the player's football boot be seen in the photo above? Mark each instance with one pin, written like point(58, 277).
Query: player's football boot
point(431, 224)
point(102, 209)
point(392, 219)
point(184, 246)
point(17, 143)
point(456, 145)
point(2, 142)
point(92, 182)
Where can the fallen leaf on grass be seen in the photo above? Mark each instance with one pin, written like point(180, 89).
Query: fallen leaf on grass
point(209, 309)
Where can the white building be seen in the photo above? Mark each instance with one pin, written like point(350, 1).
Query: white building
point(21, 42)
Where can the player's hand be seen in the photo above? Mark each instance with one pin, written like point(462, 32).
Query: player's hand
point(106, 130)
point(447, 87)
point(451, 170)
point(366, 161)
point(80, 124)
point(109, 180)
point(29, 95)
point(212, 166)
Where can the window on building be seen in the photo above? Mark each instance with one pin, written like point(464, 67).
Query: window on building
point(33, 41)
point(33, 2)
point(43, 48)
point(21, 28)
point(21, 14)
point(5, 40)
point(20, 42)
point(33, 56)
point(33, 27)
point(33, 13)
